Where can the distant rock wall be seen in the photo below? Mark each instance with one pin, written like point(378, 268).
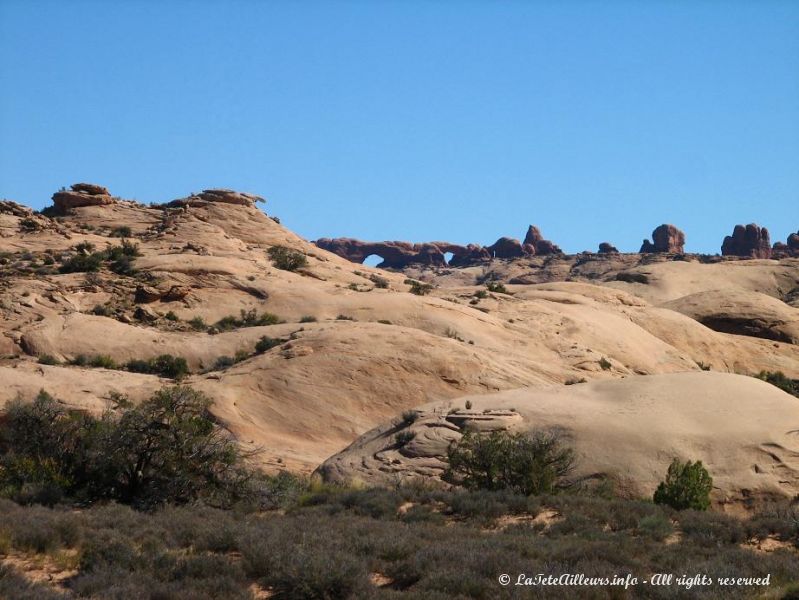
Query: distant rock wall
point(398, 255)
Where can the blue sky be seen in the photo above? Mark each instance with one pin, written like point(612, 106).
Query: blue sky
point(430, 120)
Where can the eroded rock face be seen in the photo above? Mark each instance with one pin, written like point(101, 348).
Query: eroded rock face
point(665, 239)
point(751, 240)
point(82, 194)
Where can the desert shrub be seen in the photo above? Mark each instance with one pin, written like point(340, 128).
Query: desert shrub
point(102, 310)
point(780, 380)
point(82, 263)
point(499, 288)
point(14, 586)
point(286, 258)
point(171, 316)
point(380, 282)
point(249, 318)
point(409, 417)
point(308, 319)
point(29, 224)
point(535, 463)
point(657, 526)
point(480, 294)
point(419, 288)
point(198, 324)
point(165, 365)
point(123, 231)
point(266, 343)
point(605, 364)
point(223, 362)
point(102, 361)
point(48, 359)
point(687, 485)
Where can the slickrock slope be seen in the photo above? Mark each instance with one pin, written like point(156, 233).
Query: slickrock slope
point(353, 345)
point(624, 430)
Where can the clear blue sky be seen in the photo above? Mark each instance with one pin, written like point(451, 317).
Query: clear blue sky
point(424, 120)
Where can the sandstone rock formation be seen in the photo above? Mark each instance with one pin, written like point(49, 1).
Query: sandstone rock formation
point(791, 248)
point(623, 430)
point(539, 244)
point(751, 240)
point(230, 197)
point(330, 379)
point(665, 239)
point(506, 247)
point(82, 194)
point(607, 248)
point(399, 255)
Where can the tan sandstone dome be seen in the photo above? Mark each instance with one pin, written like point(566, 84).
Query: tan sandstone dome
point(353, 345)
point(744, 430)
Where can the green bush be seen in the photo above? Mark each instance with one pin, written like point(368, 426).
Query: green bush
point(167, 449)
point(379, 281)
point(249, 318)
point(687, 485)
point(48, 359)
point(198, 324)
point(165, 365)
point(498, 288)
point(123, 231)
point(266, 343)
point(287, 259)
point(779, 379)
point(535, 463)
point(419, 288)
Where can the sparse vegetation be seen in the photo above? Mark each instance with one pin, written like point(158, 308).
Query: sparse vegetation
point(249, 318)
point(498, 288)
point(605, 364)
point(344, 318)
point(118, 258)
point(48, 359)
point(403, 437)
point(687, 485)
point(308, 319)
point(266, 343)
point(380, 282)
point(198, 324)
point(287, 259)
point(123, 231)
point(419, 288)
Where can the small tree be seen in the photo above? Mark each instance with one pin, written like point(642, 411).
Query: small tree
point(530, 464)
point(286, 258)
point(687, 485)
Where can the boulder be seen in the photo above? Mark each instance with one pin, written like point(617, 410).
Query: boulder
point(506, 247)
point(145, 294)
point(82, 194)
point(751, 240)
point(665, 239)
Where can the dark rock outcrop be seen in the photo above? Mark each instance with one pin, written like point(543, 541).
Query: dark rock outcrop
point(506, 247)
point(751, 240)
point(540, 246)
point(398, 255)
point(665, 239)
point(230, 197)
point(785, 250)
point(607, 248)
point(82, 194)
